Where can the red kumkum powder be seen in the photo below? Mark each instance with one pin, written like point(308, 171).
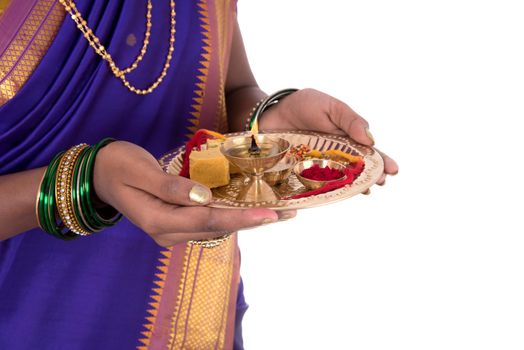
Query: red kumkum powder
point(321, 174)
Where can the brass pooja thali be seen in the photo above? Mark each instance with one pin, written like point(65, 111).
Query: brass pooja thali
point(226, 196)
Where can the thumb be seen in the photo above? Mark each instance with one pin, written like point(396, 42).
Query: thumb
point(182, 191)
point(351, 123)
point(178, 190)
point(130, 165)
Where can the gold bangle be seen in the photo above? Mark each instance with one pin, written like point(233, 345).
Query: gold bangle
point(64, 187)
point(249, 119)
point(212, 243)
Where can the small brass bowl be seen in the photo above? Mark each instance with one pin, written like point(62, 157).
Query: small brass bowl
point(306, 164)
point(280, 172)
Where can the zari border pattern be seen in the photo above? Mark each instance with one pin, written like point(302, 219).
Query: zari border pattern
point(28, 46)
point(203, 70)
point(193, 298)
point(195, 292)
point(3, 6)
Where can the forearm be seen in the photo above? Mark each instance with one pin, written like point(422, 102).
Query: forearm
point(242, 91)
point(240, 103)
point(18, 194)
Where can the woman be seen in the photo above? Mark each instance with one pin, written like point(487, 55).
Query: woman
point(138, 283)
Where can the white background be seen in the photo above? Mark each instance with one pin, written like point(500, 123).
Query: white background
point(435, 259)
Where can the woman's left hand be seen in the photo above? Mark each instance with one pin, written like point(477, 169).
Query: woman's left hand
point(309, 109)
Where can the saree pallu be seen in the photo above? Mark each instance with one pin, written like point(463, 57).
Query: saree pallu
point(116, 289)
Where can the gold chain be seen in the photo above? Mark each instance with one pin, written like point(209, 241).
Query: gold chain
point(94, 41)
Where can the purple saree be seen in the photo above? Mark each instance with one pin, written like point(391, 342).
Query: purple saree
point(116, 289)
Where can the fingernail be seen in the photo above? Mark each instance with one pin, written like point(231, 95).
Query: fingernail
point(200, 194)
point(370, 135)
point(267, 221)
point(286, 217)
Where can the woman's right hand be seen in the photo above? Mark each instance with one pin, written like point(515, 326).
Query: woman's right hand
point(170, 208)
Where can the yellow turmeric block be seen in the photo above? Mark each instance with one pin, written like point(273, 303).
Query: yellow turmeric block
point(216, 143)
point(209, 167)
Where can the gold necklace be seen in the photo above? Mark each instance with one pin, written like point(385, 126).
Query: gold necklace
point(94, 42)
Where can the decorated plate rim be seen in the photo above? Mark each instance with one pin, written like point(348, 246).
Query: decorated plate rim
point(374, 167)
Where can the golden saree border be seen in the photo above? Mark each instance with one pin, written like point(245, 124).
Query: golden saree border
point(25, 51)
point(218, 19)
point(194, 298)
point(3, 6)
point(224, 20)
point(201, 318)
point(193, 303)
point(203, 71)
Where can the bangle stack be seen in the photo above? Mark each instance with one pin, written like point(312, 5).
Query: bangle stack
point(264, 104)
point(64, 204)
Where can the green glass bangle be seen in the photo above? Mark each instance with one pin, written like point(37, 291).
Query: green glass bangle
point(262, 106)
point(89, 219)
point(114, 216)
point(85, 194)
point(46, 204)
point(59, 230)
point(49, 224)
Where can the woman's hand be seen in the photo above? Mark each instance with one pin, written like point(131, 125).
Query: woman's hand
point(171, 209)
point(313, 110)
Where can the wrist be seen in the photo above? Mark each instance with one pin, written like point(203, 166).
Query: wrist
point(264, 107)
point(240, 103)
point(271, 119)
point(100, 177)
